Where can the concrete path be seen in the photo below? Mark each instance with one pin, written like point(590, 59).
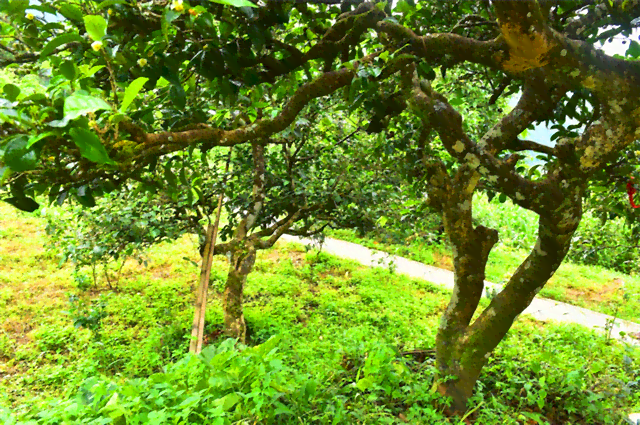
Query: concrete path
point(541, 308)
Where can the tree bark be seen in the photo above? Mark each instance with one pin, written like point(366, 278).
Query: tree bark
point(462, 348)
point(471, 248)
point(469, 264)
point(232, 300)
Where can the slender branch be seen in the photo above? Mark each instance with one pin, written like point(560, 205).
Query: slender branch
point(34, 57)
point(166, 142)
point(499, 90)
point(528, 145)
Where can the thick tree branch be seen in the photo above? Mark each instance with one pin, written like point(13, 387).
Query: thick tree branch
point(166, 142)
point(519, 145)
point(447, 121)
point(534, 104)
point(554, 240)
point(445, 48)
point(278, 231)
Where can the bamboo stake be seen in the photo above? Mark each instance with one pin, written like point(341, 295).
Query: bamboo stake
point(197, 330)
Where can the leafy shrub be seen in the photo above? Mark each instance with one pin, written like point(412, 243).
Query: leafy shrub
point(610, 244)
point(55, 339)
point(87, 315)
point(117, 228)
point(517, 227)
point(223, 385)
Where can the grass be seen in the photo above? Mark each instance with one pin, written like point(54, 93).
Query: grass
point(592, 287)
point(331, 342)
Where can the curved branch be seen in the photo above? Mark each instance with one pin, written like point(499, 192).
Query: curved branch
point(519, 145)
point(166, 142)
point(448, 123)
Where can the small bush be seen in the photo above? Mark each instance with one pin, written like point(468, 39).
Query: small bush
point(610, 244)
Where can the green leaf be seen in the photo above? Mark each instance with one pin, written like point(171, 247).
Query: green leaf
point(90, 146)
point(61, 197)
point(17, 7)
point(171, 15)
point(132, 91)
point(634, 49)
point(96, 26)
point(85, 197)
point(68, 70)
point(170, 177)
point(18, 156)
point(178, 96)
point(51, 46)
point(425, 71)
point(25, 203)
point(80, 104)
point(88, 72)
point(107, 3)
point(228, 401)
point(236, 3)
point(35, 139)
point(364, 384)
point(226, 29)
point(11, 91)
point(5, 173)
point(71, 12)
point(54, 191)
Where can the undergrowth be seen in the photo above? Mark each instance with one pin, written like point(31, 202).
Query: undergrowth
point(330, 342)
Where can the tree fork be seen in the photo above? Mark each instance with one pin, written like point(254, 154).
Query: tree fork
point(471, 252)
point(463, 352)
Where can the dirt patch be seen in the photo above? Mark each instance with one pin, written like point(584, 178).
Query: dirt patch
point(271, 255)
point(18, 329)
point(595, 294)
point(297, 258)
point(443, 261)
point(162, 272)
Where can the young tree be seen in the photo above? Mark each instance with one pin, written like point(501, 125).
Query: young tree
point(132, 84)
point(299, 187)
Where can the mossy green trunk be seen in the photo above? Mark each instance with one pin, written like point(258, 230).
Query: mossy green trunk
point(242, 261)
point(462, 349)
point(452, 354)
point(234, 325)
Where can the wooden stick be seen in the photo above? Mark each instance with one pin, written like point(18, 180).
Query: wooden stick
point(197, 331)
point(201, 291)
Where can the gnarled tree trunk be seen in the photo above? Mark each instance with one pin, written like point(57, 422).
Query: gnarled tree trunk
point(462, 349)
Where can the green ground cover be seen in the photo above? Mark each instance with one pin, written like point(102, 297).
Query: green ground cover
point(330, 342)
